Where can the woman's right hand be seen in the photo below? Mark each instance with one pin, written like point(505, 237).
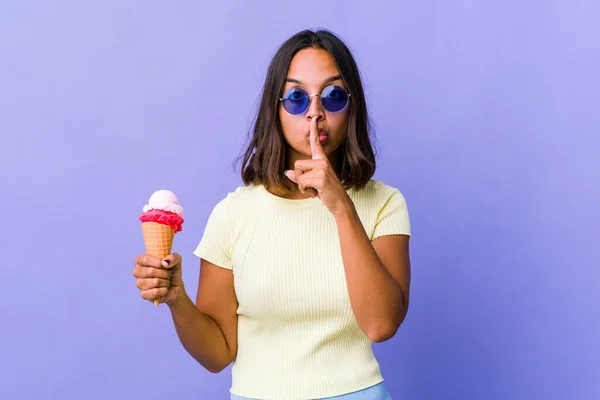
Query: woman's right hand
point(158, 279)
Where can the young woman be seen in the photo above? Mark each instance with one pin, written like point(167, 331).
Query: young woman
point(307, 264)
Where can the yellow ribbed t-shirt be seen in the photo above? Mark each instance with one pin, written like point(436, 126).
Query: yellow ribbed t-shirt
point(297, 335)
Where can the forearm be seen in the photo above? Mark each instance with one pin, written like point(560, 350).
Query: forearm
point(200, 335)
point(376, 298)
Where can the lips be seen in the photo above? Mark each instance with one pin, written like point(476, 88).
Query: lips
point(322, 133)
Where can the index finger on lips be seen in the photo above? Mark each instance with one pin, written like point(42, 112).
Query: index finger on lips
point(315, 145)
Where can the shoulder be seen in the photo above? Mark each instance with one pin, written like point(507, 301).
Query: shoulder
point(244, 193)
point(381, 208)
point(239, 198)
point(233, 208)
point(376, 193)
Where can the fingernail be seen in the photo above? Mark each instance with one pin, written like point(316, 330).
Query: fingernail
point(168, 262)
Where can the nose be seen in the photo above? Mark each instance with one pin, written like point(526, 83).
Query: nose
point(315, 108)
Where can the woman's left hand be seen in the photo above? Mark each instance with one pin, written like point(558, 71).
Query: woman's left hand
point(317, 176)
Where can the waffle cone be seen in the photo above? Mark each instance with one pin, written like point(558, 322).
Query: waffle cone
point(158, 239)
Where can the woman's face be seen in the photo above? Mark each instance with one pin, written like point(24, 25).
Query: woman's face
point(312, 70)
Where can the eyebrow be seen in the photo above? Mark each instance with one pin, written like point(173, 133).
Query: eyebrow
point(328, 80)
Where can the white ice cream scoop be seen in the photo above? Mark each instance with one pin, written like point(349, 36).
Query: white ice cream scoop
point(164, 200)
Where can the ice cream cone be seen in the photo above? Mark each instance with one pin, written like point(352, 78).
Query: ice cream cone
point(161, 219)
point(158, 239)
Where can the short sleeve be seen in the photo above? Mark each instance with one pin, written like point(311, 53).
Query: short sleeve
point(215, 245)
point(393, 218)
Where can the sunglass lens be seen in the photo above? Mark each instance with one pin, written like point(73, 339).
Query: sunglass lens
point(334, 98)
point(295, 101)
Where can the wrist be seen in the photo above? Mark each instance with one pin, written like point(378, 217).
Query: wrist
point(180, 298)
point(345, 211)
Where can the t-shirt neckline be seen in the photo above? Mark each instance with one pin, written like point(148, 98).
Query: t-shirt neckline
point(295, 203)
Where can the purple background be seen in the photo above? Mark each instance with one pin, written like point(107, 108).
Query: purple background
point(487, 117)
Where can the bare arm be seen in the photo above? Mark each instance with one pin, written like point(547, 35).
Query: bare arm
point(208, 329)
point(377, 275)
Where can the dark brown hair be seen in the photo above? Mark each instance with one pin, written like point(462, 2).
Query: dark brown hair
point(264, 158)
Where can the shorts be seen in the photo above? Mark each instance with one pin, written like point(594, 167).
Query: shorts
point(375, 392)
